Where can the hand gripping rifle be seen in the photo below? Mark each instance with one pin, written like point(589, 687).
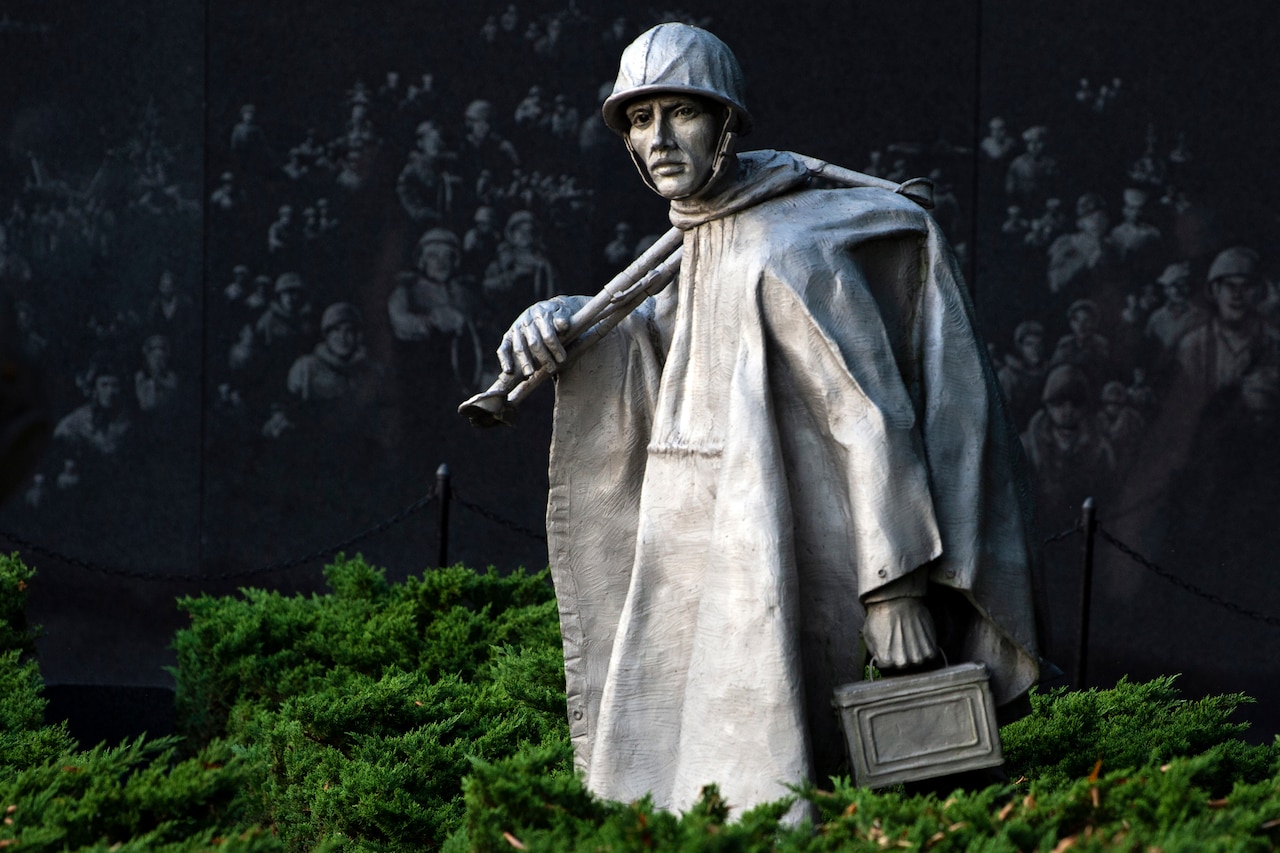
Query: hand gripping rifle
point(646, 275)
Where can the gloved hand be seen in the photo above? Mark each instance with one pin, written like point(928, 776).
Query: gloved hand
point(899, 633)
point(899, 630)
point(533, 341)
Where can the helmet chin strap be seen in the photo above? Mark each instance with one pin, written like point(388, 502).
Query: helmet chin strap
point(723, 149)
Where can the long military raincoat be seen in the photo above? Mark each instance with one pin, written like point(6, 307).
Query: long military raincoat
point(805, 416)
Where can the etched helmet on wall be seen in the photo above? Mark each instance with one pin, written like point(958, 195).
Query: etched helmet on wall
point(289, 281)
point(1114, 392)
point(338, 314)
point(1027, 329)
point(1236, 261)
point(1066, 383)
point(675, 57)
point(478, 110)
point(439, 236)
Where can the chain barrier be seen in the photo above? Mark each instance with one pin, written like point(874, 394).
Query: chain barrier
point(1184, 585)
point(1063, 534)
point(283, 565)
point(430, 498)
point(542, 537)
point(497, 519)
point(111, 571)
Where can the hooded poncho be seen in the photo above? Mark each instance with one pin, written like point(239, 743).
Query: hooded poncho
point(804, 417)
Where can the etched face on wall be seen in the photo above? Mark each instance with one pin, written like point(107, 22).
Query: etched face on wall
point(156, 354)
point(675, 136)
point(1083, 322)
point(291, 300)
point(106, 391)
point(343, 339)
point(1236, 296)
point(1031, 347)
point(437, 261)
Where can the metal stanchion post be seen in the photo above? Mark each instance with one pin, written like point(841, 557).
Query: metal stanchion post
point(444, 496)
point(1088, 526)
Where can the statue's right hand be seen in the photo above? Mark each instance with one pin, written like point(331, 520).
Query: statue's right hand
point(533, 341)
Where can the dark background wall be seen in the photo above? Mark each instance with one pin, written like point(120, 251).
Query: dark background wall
point(126, 157)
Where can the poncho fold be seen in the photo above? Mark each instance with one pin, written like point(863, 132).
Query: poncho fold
point(803, 417)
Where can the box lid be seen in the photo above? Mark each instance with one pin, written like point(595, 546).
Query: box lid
point(859, 692)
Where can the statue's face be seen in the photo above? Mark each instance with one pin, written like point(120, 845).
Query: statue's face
point(675, 136)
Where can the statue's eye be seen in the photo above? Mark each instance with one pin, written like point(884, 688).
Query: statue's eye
point(687, 111)
point(639, 118)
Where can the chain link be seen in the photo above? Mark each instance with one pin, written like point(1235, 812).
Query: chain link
point(112, 571)
point(1186, 586)
point(284, 565)
point(1063, 534)
point(499, 520)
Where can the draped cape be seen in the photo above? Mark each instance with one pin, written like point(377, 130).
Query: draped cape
point(804, 416)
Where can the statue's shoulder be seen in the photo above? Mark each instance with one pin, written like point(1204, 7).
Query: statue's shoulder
point(833, 217)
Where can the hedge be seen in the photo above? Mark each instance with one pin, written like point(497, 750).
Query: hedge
point(429, 714)
point(134, 796)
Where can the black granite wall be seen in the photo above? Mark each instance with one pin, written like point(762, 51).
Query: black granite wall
point(202, 201)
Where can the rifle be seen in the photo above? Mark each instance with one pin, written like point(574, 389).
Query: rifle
point(646, 275)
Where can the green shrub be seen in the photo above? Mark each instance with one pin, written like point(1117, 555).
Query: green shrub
point(430, 714)
point(529, 802)
point(1179, 779)
point(136, 796)
point(24, 738)
point(14, 633)
point(365, 706)
point(262, 647)
point(1132, 725)
point(134, 793)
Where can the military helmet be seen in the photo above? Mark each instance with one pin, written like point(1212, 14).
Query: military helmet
point(478, 110)
point(1114, 392)
point(1066, 383)
point(1086, 305)
point(289, 281)
point(1135, 197)
point(1237, 260)
point(339, 313)
point(675, 57)
point(442, 236)
point(1026, 329)
point(520, 217)
point(1089, 203)
point(1175, 273)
